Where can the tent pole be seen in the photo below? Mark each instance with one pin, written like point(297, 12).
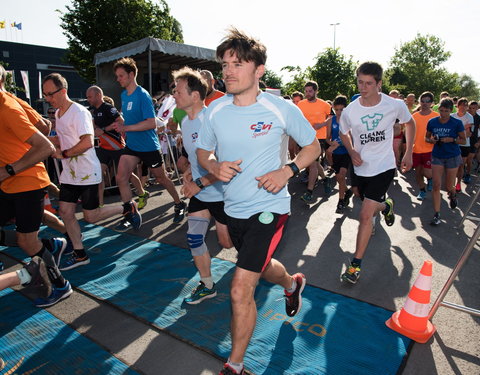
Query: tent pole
point(150, 71)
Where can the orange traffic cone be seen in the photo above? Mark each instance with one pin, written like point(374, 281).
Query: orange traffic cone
point(48, 205)
point(412, 320)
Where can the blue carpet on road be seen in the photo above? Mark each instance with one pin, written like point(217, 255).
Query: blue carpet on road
point(32, 341)
point(332, 334)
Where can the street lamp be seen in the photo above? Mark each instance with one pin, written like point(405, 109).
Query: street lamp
point(334, 32)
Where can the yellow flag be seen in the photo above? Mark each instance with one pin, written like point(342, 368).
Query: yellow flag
point(2, 24)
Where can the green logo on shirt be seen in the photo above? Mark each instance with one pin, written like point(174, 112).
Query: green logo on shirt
point(372, 121)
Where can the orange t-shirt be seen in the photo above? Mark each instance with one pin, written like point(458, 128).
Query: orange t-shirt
point(420, 146)
point(32, 115)
point(216, 94)
point(316, 112)
point(15, 129)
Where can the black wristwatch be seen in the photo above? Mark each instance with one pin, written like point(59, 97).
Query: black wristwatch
point(10, 170)
point(294, 168)
point(198, 181)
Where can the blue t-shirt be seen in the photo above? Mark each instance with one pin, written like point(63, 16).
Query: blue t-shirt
point(258, 135)
point(190, 129)
point(138, 107)
point(450, 129)
point(335, 134)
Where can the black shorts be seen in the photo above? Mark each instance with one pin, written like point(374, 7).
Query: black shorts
point(465, 151)
point(87, 193)
point(256, 241)
point(374, 187)
point(26, 208)
point(215, 208)
point(108, 156)
point(151, 159)
point(341, 161)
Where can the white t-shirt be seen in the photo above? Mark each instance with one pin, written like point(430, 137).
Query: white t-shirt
point(466, 119)
point(83, 169)
point(372, 132)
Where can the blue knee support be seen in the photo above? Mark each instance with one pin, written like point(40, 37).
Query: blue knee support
point(197, 229)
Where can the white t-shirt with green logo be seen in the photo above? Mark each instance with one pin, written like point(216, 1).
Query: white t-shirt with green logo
point(372, 132)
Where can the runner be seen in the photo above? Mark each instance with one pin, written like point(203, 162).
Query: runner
point(467, 119)
point(204, 190)
point(366, 130)
point(248, 131)
point(446, 133)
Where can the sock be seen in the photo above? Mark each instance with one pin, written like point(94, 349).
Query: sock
point(238, 367)
point(423, 190)
point(208, 282)
point(80, 253)
point(356, 262)
point(387, 208)
point(310, 191)
point(24, 276)
point(52, 269)
point(127, 207)
point(437, 214)
point(293, 287)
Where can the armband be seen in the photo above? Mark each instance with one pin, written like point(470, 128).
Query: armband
point(294, 168)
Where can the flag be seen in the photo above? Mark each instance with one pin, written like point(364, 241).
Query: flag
point(2, 24)
point(26, 83)
point(40, 85)
point(17, 25)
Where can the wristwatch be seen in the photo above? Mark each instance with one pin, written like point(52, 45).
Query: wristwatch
point(294, 168)
point(64, 154)
point(198, 181)
point(10, 170)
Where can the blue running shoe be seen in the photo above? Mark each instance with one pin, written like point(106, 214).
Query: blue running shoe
point(422, 195)
point(326, 186)
point(57, 248)
point(73, 261)
point(200, 293)
point(56, 296)
point(429, 184)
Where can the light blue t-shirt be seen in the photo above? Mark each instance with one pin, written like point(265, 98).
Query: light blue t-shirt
point(258, 135)
point(190, 129)
point(138, 107)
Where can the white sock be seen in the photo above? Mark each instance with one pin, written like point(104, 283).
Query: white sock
point(208, 282)
point(24, 276)
point(238, 367)
point(293, 287)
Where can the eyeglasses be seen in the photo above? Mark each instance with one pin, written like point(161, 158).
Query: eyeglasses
point(51, 112)
point(426, 101)
point(50, 94)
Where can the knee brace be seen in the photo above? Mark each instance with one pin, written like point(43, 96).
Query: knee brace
point(197, 229)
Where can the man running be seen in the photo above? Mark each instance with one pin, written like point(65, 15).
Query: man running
point(366, 130)
point(248, 131)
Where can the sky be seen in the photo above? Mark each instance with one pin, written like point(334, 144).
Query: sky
point(294, 32)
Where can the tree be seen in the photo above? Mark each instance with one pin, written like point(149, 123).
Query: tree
point(334, 73)
point(93, 26)
point(272, 79)
point(9, 83)
point(298, 80)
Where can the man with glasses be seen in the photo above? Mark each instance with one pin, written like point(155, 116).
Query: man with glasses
point(81, 172)
point(422, 150)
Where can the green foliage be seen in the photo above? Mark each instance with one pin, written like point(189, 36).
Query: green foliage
point(416, 67)
point(9, 84)
point(334, 73)
point(93, 26)
point(272, 79)
point(298, 80)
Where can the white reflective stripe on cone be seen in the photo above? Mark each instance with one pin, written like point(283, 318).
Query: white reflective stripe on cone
point(423, 282)
point(420, 310)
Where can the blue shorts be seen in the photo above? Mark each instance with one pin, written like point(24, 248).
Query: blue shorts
point(448, 163)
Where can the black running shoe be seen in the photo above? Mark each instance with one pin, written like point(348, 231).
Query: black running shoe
point(388, 212)
point(453, 200)
point(340, 207)
point(348, 195)
point(40, 283)
point(293, 302)
point(180, 209)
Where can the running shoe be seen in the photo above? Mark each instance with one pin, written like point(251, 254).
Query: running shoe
point(388, 212)
point(227, 370)
point(73, 261)
point(180, 209)
point(326, 186)
point(1, 266)
point(40, 283)
point(131, 219)
point(458, 188)
point(348, 195)
point(429, 184)
point(56, 296)
point(467, 179)
point(123, 226)
point(436, 220)
point(293, 301)
point(142, 200)
point(56, 246)
point(453, 200)
point(352, 274)
point(200, 293)
point(307, 197)
point(69, 249)
point(422, 195)
point(340, 207)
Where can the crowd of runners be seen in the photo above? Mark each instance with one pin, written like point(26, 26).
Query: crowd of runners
point(235, 153)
